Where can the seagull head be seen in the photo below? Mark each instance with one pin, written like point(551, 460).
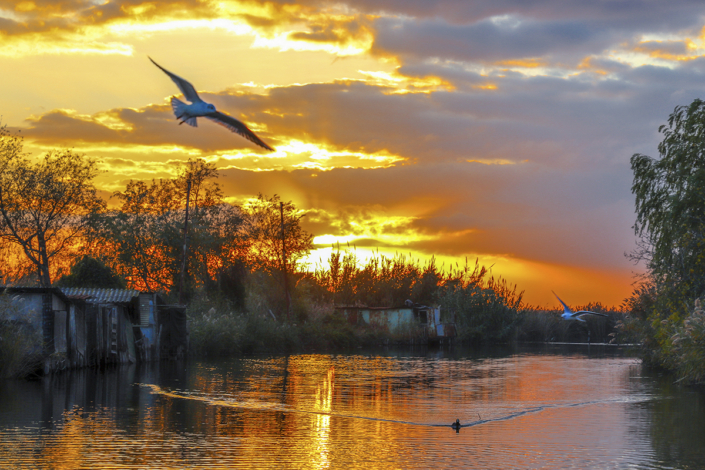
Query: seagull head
point(211, 107)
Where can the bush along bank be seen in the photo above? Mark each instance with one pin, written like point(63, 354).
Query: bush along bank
point(671, 332)
point(222, 332)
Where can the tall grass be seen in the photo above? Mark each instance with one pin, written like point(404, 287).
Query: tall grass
point(687, 352)
point(217, 330)
point(484, 308)
point(541, 325)
point(384, 281)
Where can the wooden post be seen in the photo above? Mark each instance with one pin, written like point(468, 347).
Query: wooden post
point(183, 263)
point(286, 282)
point(47, 323)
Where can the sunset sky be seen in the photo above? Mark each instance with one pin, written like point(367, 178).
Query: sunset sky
point(498, 130)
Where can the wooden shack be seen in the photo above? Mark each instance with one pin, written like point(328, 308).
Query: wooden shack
point(61, 320)
point(96, 327)
point(122, 324)
point(412, 322)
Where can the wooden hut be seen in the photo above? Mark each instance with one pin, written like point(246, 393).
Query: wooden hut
point(95, 327)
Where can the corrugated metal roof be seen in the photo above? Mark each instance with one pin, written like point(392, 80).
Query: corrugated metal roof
point(35, 290)
point(364, 307)
point(100, 296)
point(79, 297)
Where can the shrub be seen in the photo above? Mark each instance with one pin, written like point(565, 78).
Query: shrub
point(481, 314)
point(687, 355)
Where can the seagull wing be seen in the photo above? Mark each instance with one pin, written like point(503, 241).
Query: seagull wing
point(237, 127)
point(565, 307)
point(588, 312)
point(186, 88)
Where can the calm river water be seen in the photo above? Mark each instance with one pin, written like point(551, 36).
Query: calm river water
point(544, 407)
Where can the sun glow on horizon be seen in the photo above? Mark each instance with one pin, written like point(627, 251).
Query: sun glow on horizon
point(402, 128)
point(579, 285)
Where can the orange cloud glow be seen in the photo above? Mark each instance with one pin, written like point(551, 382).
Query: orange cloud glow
point(499, 132)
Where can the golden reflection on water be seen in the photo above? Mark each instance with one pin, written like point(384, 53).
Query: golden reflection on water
point(323, 411)
point(324, 398)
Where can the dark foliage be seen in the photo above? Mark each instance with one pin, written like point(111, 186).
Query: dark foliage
point(90, 272)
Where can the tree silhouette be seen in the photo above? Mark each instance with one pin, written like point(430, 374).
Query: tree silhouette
point(45, 206)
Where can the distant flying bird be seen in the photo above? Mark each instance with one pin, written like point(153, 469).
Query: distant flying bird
point(568, 314)
point(188, 113)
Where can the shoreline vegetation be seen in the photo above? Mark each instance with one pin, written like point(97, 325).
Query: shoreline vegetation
point(238, 268)
point(485, 310)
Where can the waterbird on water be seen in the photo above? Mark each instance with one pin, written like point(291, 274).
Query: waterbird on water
point(568, 314)
point(188, 113)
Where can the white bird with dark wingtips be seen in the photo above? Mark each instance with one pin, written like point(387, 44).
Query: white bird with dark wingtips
point(568, 314)
point(188, 113)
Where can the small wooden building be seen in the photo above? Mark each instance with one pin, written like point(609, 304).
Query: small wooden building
point(95, 327)
point(412, 322)
point(121, 324)
point(48, 311)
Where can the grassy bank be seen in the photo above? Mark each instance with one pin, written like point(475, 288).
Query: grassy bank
point(217, 330)
point(484, 316)
point(483, 308)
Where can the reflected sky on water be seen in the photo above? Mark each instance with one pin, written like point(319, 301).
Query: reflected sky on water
point(543, 407)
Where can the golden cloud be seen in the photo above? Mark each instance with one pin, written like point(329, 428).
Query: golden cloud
point(587, 65)
point(678, 51)
point(399, 83)
point(150, 134)
point(530, 62)
point(88, 28)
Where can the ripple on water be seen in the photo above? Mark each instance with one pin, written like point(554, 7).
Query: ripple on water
point(354, 411)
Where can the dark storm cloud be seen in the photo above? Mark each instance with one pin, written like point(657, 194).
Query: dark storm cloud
point(505, 30)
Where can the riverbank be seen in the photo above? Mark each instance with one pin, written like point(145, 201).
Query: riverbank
point(672, 333)
point(217, 331)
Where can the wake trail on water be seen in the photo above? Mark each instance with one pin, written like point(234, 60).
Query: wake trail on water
point(270, 406)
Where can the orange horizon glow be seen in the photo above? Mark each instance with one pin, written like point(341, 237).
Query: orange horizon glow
point(455, 137)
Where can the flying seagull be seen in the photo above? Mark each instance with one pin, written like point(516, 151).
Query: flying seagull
point(188, 113)
point(568, 314)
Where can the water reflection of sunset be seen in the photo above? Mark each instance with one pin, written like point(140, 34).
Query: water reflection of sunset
point(342, 411)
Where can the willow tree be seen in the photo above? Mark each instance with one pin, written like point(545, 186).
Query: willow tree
point(670, 203)
point(45, 205)
point(670, 208)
